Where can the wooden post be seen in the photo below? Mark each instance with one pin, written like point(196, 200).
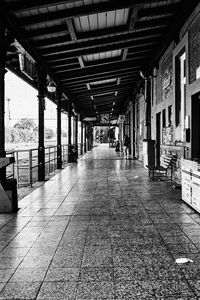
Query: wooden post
point(81, 137)
point(69, 130)
point(3, 50)
point(76, 133)
point(59, 146)
point(85, 140)
point(41, 106)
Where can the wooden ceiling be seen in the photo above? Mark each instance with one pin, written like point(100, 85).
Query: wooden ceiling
point(93, 49)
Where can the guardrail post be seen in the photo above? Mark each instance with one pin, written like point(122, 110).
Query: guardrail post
point(17, 166)
point(30, 168)
point(54, 158)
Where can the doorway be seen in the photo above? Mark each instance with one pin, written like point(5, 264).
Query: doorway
point(158, 132)
point(196, 126)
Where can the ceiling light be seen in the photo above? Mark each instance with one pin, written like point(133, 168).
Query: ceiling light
point(51, 87)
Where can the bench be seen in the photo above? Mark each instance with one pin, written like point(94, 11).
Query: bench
point(166, 163)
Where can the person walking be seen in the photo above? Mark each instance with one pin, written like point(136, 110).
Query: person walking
point(126, 145)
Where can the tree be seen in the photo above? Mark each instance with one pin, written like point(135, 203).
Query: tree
point(25, 124)
point(49, 133)
point(27, 130)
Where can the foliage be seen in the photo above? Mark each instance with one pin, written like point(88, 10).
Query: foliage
point(26, 131)
point(49, 133)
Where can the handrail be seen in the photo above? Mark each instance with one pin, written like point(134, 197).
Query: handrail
point(26, 163)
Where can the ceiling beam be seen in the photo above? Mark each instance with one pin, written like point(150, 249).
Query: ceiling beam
point(25, 5)
point(103, 90)
point(94, 8)
point(48, 31)
point(125, 76)
point(152, 23)
point(101, 62)
point(52, 41)
point(92, 71)
point(98, 42)
point(74, 38)
point(82, 90)
point(98, 77)
point(159, 10)
point(133, 45)
point(115, 34)
point(132, 22)
point(99, 89)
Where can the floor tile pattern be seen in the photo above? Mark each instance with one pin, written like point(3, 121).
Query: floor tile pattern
point(100, 229)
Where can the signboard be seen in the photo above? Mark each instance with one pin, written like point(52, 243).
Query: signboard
point(104, 118)
point(90, 119)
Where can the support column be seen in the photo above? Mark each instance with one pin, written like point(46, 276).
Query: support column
point(85, 140)
point(148, 108)
point(3, 50)
point(69, 124)
point(148, 144)
point(70, 146)
point(76, 133)
point(41, 106)
point(86, 137)
point(134, 127)
point(59, 146)
point(81, 137)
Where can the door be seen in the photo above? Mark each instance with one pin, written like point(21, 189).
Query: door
point(196, 126)
point(158, 138)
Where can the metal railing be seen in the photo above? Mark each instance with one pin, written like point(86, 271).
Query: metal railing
point(25, 168)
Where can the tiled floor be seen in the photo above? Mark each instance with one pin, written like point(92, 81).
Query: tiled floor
point(100, 230)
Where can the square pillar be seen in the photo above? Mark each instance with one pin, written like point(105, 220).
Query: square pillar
point(41, 106)
point(59, 146)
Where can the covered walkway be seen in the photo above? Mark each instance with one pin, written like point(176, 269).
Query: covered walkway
point(100, 230)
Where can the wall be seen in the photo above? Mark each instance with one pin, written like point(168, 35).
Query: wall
point(164, 90)
point(164, 95)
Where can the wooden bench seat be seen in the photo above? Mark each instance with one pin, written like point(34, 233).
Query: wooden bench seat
point(166, 163)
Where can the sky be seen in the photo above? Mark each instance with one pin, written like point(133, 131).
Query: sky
point(24, 102)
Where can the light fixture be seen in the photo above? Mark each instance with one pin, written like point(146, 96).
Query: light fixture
point(142, 74)
point(51, 87)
